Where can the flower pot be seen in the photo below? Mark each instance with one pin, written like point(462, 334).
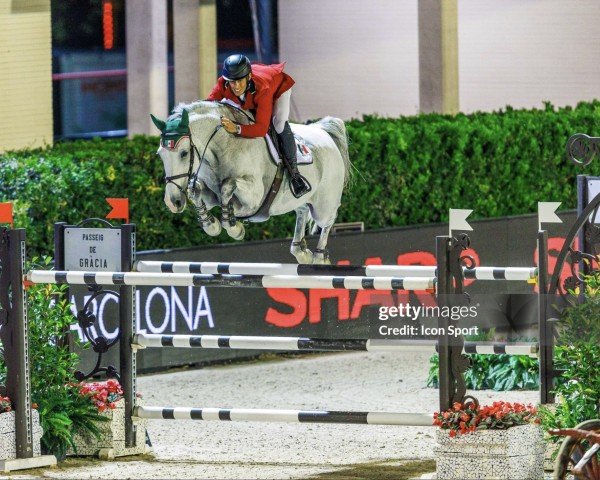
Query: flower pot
point(515, 453)
point(111, 442)
point(8, 435)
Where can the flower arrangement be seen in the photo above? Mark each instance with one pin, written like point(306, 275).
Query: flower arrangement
point(103, 394)
point(468, 417)
point(5, 404)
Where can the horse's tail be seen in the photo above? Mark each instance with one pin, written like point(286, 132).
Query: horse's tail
point(336, 128)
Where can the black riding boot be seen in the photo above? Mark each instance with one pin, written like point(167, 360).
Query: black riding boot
point(298, 184)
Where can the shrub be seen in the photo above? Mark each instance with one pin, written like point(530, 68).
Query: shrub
point(412, 170)
point(494, 372)
point(577, 358)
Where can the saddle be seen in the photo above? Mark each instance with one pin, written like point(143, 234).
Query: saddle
point(303, 156)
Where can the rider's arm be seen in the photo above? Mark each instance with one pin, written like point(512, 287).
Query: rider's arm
point(264, 109)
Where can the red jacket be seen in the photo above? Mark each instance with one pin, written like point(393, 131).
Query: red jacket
point(269, 83)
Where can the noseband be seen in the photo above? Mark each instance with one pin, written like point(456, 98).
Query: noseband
point(171, 145)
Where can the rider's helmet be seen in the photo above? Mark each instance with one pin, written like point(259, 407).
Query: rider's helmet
point(236, 67)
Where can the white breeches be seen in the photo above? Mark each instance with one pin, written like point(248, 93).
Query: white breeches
point(281, 110)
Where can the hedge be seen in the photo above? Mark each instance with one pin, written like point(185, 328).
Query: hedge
point(409, 170)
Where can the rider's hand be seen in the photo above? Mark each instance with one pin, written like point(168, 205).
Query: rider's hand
point(228, 125)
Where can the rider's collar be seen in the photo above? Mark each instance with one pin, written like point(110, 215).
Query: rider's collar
point(170, 140)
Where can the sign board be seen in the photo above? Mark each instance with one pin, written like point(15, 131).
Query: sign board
point(93, 249)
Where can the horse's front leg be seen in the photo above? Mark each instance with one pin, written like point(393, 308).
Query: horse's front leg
point(298, 248)
point(235, 229)
point(206, 219)
point(321, 255)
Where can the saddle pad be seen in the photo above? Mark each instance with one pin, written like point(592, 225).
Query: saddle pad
point(303, 153)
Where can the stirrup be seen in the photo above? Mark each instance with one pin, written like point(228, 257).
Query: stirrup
point(302, 189)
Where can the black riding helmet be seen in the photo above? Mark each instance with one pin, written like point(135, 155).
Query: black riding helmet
point(236, 67)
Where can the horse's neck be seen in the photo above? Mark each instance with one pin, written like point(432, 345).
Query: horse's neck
point(223, 146)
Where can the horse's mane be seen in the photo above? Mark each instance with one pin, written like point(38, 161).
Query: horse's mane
point(207, 106)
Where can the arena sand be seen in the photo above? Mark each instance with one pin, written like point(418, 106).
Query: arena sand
point(362, 381)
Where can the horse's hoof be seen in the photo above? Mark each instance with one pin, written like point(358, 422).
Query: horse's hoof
point(213, 228)
point(320, 258)
point(236, 232)
point(304, 257)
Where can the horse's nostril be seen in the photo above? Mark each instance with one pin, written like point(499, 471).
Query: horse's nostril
point(177, 203)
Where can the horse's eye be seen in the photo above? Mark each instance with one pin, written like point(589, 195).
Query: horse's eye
point(183, 154)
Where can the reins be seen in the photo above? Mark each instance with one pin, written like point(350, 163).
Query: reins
point(193, 176)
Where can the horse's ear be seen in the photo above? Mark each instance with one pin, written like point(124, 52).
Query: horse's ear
point(159, 123)
point(185, 120)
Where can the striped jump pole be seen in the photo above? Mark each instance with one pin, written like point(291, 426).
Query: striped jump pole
point(143, 340)
point(216, 268)
point(288, 416)
point(252, 281)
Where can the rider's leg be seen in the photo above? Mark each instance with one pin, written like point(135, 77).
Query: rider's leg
point(281, 113)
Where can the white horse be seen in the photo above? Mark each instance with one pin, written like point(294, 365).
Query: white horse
point(212, 167)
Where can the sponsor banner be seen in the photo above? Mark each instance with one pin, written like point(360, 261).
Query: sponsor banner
point(508, 306)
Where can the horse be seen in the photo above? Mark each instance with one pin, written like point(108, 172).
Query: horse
point(238, 174)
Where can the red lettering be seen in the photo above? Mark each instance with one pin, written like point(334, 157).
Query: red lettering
point(294, 299)
point(371, 297)
point(315, 296)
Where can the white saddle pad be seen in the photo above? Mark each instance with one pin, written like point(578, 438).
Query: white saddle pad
point(303, 153)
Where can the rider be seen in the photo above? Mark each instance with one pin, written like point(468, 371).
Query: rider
point(266, 90)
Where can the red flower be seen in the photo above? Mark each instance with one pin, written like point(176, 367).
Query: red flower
point(103, 394)
point(469, 417)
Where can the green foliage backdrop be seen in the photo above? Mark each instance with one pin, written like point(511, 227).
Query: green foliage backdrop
point(411, 171)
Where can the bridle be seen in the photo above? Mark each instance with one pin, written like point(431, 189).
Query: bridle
point(166, 143)
point(170, 141)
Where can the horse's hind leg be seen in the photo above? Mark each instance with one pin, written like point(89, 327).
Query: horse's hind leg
point(234, 228)
point(321, 255)
point(298, 249)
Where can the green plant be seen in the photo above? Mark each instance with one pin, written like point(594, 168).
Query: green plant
point(494, 372)
point(580, 319)
point(63, 411)
point(62, 408)
point(577, 357)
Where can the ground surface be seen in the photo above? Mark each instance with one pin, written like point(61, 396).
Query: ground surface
point(345, 381)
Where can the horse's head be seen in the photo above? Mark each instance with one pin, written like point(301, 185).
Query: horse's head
point(175, 150)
